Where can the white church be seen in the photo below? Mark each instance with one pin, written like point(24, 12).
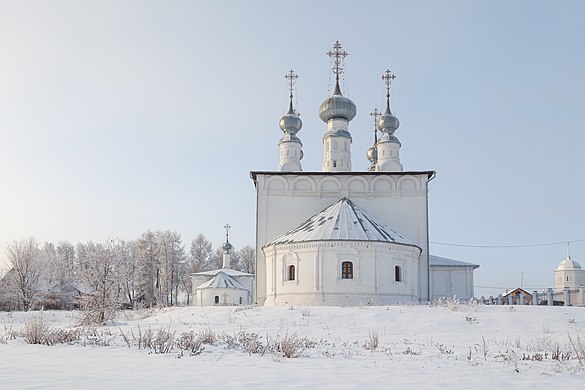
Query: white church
point(340, 237)
point(224, 286)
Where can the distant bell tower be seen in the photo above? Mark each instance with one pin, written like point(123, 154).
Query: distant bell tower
point(290, 145)
point(337, 111)
point(388, 146)
point(226, 248)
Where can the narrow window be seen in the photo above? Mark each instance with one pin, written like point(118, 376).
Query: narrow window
point(291, 272)
point(567, 278)
point(397, 274)
point(240, 300)
point(347, 270)
point(334, 164)
point(334, 145)
point(217, 299)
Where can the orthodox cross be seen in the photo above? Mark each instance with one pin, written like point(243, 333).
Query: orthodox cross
point(227, 232)
point(337, 55)
point(376, 114)
point(388, 76)
point(291, 76)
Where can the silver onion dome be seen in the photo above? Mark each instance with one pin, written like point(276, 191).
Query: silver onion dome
point(337, 106)
point(388, 123)
point(290, 123)
point(226, 246)
point(372, 154)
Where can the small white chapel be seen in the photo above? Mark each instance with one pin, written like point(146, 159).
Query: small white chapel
point(225, 286)
point(340, 237)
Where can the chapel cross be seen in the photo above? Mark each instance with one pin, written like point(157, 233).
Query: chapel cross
point(337, 55)
point(388, 76)
point(227, 231)
point(291, 76)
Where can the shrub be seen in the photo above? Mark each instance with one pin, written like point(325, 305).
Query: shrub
point(36, 329)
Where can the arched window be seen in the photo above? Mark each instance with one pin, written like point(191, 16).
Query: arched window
point(217, 299)
point(347, 270)
point(291, 272)
point(240, 300)
point(397, 274)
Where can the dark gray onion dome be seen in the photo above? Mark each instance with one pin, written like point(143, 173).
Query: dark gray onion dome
point(388, 123)
point(372, 154)
point(337, 106)
point(226, 246)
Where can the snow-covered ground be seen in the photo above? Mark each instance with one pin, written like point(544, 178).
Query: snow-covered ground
point(438, 347)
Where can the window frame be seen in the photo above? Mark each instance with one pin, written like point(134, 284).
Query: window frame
point(347, 270)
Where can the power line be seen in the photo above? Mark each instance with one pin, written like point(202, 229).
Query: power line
point(507, 246)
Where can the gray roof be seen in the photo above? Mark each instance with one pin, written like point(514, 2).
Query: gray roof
point(343, 220)
point(436, 261)
point(222, 280)
point(227, 271)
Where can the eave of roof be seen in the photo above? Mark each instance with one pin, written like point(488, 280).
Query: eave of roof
point(437, 261)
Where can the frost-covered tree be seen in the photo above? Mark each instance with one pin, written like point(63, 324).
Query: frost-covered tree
point(26, 271)
point(100, 275)
point(126, 271)
point(200, 251)
point(147, 269)
point(66, 256)
point(171, 257)
point(247, 259)
point(215, 261)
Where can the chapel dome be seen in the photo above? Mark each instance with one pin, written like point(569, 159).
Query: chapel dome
point(568, 264)
point(290, 123)
point(337, 106)
point(388, 123)
point(226, 246)
point(372, 154)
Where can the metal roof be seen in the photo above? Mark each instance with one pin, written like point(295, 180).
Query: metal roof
point(437, 261)
point(222, 280)
point(343, 220)
point(227, 271)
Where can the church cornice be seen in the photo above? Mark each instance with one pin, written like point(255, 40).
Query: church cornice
point(430, 174)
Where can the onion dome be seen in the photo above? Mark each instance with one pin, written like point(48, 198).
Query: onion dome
point(337, 106)
point(372, 154)
point(226, 246)
point(290, 123)
point(388, 123)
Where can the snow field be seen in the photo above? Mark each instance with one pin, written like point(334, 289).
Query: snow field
point(448, 346)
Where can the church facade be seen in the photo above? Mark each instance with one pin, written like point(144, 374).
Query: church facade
point(224, 286)
point(339, 237)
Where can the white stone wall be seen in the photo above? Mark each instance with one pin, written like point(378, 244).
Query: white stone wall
point(318, 277)
point(227, 296)
point(571, 278)
point(398, 199)
point(449, 282)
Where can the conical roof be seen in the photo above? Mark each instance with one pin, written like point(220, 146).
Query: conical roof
point(222, 280)
point(343, 220)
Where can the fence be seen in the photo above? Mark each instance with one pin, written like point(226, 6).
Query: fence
point(566, 297)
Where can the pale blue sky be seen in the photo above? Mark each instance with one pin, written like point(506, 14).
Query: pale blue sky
point(122, 116)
